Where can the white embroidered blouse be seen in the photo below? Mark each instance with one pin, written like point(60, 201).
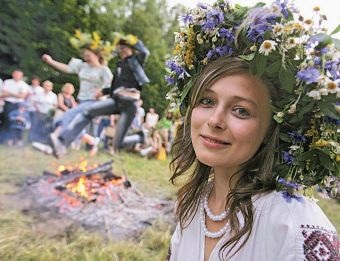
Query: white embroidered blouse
point(282, 230)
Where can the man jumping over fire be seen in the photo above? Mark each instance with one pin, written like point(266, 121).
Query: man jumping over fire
point(129, 77)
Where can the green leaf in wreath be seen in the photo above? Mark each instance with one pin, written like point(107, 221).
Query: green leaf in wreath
point(258, 64)
point(329, 110)
point(336, 30)
point(287, 79)
point(326, 161)
point(248, 57)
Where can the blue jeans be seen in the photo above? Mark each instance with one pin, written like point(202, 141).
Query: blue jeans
point(82, 117)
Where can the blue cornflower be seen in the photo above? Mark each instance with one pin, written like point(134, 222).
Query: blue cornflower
point(297, 136)
point(333, 68)
point(186, 19)
point(214, 18)
point(283, 6)
point(288, 197)
point(261, 21)
point(170, 80)
point(287, 157)
point(317, 60)
point(288, 184)
point(219, 51)
point(174, 67)
point(227, 34)
point(308, 75)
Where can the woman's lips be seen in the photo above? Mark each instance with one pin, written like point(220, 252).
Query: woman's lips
point(213, 142)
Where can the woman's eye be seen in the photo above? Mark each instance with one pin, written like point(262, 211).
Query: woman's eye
point(241, 112)
point(206, 101)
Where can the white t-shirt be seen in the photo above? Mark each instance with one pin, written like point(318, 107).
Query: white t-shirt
point(151, 119)
point(15, 87)
point(283, 231)
point(46, 102)
point(90, 78)
point(34, 92)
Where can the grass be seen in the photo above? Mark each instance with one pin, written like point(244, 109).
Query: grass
point(20, 241)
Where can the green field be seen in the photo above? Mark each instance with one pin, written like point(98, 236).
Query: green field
point(21, 240)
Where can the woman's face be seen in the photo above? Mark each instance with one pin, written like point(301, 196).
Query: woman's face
point(90, 56)
point(230, 121)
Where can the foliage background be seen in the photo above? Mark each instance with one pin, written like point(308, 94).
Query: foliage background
point(31, 28)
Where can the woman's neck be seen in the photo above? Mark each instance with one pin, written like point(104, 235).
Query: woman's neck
point(94, 63)
point(222, 185)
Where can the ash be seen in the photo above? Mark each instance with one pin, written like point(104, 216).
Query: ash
point(119, 211)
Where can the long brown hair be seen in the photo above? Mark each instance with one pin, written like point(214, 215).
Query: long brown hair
point(254, 177)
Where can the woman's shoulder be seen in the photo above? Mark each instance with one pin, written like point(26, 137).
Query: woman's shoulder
point(297, 207)
point(298, 222)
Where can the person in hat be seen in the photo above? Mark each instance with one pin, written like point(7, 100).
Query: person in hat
point(253, 85)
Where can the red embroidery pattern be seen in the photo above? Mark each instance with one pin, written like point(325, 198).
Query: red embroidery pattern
point(320, 244)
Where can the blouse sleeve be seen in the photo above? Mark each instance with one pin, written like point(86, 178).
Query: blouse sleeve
point(107, 78)
point(297, 229)
point(175, 240)
point(75, 65)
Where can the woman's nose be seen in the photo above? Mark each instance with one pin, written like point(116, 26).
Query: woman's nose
point(217, 119)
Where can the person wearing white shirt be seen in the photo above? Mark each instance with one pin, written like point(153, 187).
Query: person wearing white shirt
point(45, 104)
point(34, 91)
point(151, 118)
point(14, 91)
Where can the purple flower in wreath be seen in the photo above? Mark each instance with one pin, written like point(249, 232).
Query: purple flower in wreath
point(317, 60)
point(288, 184)
point(170, 80)
point(333, 68)
point(214, 18)
point(297, 136)
point(288, 197)
point(186, 19)
point(287, 157)
point(227, 34)
point(261, 21)
point(308, 75)
point(174, 67)
point(283, 7)
point(219, 51)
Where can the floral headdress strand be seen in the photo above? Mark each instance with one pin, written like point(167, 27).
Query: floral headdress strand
point(295, 52)
point(94, 42)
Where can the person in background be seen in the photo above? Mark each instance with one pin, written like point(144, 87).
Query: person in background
point(18, 122)
point(248, 150)
point(66, 100)
point(46, 105)
point(34, 91)
point(166, 126)
point(138, 121)
point(14, 91)
point(151, 118)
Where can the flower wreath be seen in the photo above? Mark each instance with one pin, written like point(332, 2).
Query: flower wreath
point(94, 42)
point(278, 42)
point(128, 39)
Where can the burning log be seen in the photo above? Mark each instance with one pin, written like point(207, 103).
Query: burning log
point(102, 169)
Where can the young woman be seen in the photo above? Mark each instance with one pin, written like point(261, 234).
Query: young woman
point(238, 201)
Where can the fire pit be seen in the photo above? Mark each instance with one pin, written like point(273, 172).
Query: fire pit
point(96, 198)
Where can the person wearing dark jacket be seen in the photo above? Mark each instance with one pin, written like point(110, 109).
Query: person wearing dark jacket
point(129, 78)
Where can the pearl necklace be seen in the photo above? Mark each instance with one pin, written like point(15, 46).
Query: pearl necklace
point(213, 217)
point(205, 208)
point(208, 233)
